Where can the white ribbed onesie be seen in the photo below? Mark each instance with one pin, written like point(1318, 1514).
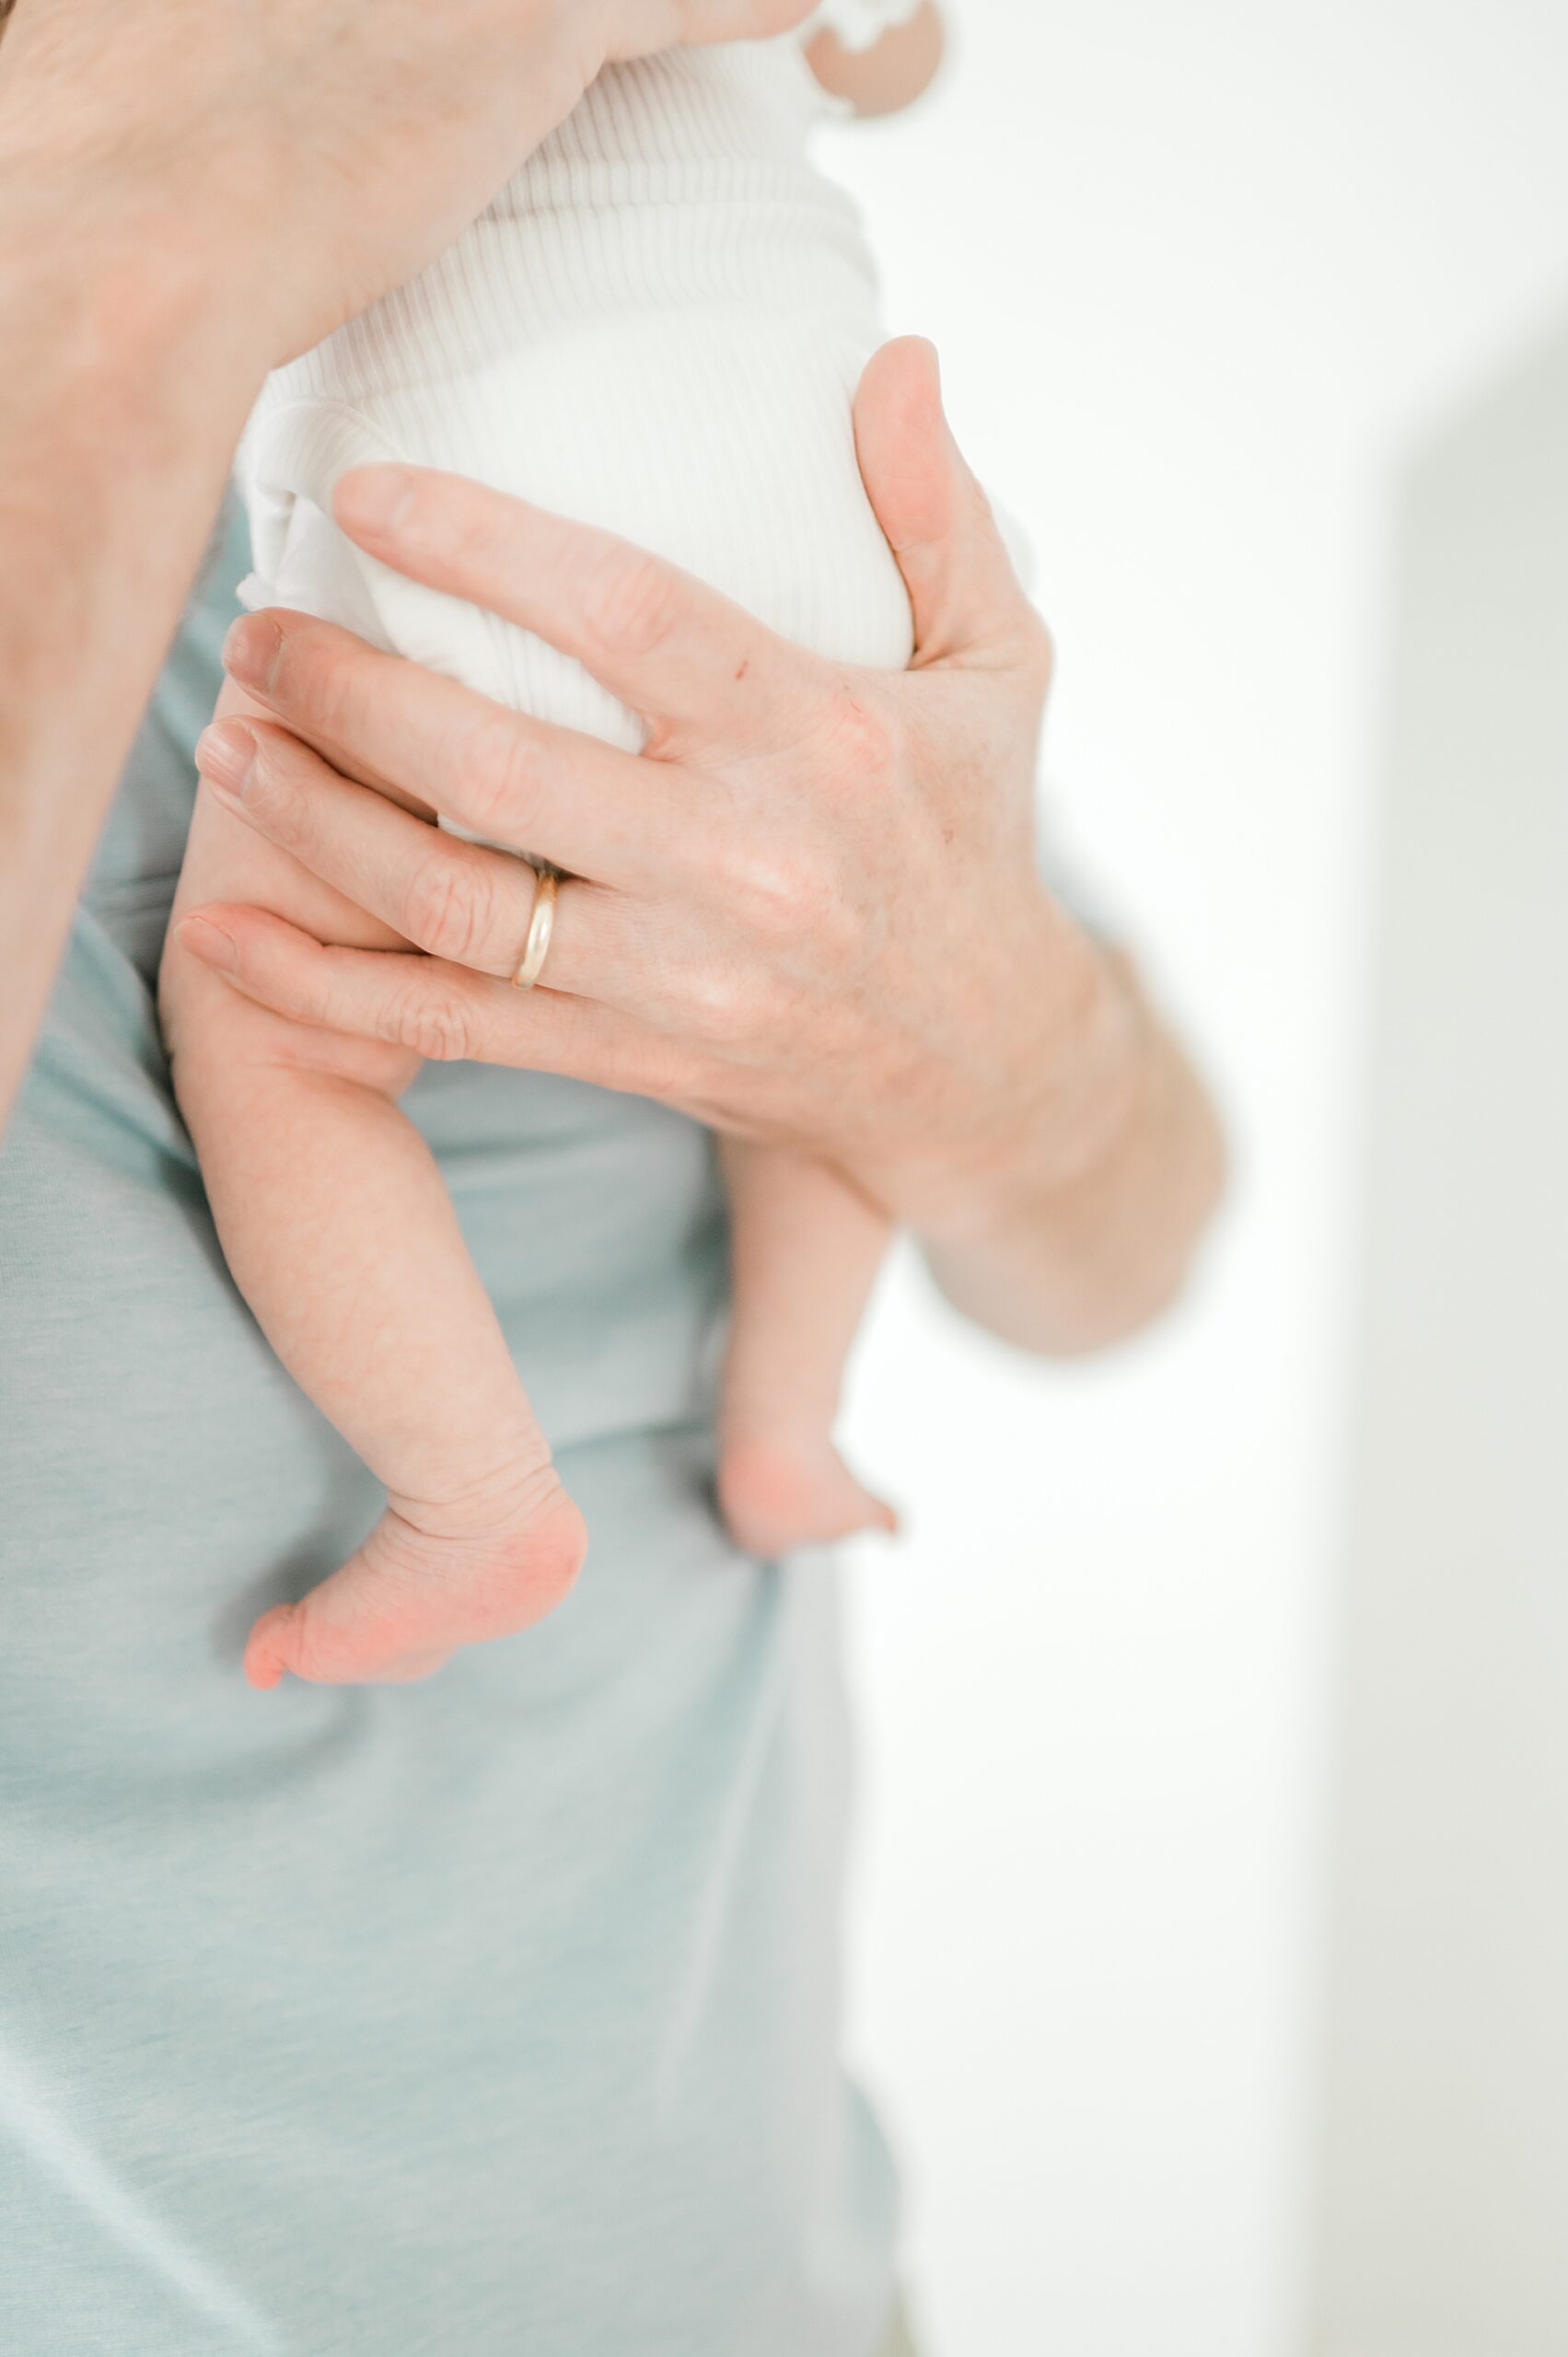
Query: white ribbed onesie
point(656, 328)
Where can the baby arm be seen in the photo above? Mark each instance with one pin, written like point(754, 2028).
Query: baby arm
point(893, 73)
point(342, 1238)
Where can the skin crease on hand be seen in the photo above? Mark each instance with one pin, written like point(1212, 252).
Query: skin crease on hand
point(809, 912)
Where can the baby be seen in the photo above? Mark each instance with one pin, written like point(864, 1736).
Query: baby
point(657, 327)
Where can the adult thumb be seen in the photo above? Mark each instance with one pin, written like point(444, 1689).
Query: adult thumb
point(965, 596)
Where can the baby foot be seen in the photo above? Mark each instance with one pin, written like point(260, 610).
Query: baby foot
point(779, 1492)
point(427, 1581)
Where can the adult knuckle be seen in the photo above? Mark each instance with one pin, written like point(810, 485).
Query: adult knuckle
point(313, 1001)
point(720, 1006)
point(433, 1020)
point(629, 602)
point(271, 792)
point(862, 739)
point(448, 909)
point(767, 889)
point(506, 775)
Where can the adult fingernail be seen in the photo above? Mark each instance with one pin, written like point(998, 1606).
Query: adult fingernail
point(209, 943)
point(251, 649)
point(373, 499)
point(225, 754)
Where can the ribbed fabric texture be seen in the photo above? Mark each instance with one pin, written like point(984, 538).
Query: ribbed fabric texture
point(657, 327)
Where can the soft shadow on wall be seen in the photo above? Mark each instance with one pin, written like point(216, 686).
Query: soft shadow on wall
point(1444, 2180)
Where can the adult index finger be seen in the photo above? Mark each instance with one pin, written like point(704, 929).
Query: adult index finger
point(694, 665)
point(423, 738)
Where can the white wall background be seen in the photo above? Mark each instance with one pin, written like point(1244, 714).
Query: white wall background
point(1198, 272)
point(1443, 2164)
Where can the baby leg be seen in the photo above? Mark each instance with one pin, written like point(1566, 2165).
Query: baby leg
point(806, 1249)
point(342, 1238)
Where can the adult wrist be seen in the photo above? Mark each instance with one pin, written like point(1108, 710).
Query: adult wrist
point(1091, 1232)
point(1055, 1107)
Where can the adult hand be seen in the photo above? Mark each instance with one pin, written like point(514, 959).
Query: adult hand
point(809, 911)
point(189, 193)
point(346, 143)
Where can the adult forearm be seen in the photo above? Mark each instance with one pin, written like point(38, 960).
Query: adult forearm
point(129, 363)
point(1083, 1243)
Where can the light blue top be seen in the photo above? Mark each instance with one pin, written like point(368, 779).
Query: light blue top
point(493, 2014)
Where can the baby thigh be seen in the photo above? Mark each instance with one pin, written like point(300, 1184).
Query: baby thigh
point(723, 442)
point(332, 1218)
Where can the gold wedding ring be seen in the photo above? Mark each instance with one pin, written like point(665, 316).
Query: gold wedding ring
point(541, 927)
